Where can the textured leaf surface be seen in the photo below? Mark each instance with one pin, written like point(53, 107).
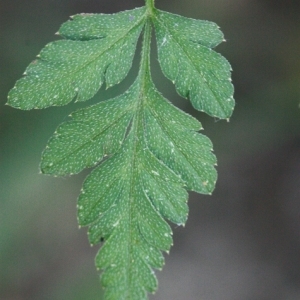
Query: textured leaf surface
point(127, 197)
point(172, 138)
point(76, 68)
point(186, 58)
point(147, 153)
point(91, 134)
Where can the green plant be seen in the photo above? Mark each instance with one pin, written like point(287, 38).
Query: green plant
point(148, 153)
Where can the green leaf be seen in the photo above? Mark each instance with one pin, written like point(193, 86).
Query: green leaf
point(172, 138)
point(91, 134)
point(76, 68)
point(199, 73)
point(147, 153)
point(125, 199)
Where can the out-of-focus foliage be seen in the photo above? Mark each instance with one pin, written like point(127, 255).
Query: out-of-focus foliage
point(245, 240)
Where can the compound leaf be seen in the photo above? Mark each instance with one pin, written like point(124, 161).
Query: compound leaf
point(186, 58)
point(147, 153)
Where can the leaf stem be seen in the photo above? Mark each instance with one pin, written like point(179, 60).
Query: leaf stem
point(146, 48)
point(137, 135)
point(150, 6)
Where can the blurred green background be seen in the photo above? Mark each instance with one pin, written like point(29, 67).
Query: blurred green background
point(241, 243)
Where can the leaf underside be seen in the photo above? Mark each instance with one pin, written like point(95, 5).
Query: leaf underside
point(147, 152)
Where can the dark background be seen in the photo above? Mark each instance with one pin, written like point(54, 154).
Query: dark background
point(242, 243)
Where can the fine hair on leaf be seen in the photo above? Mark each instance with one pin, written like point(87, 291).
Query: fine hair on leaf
point(146, 153)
